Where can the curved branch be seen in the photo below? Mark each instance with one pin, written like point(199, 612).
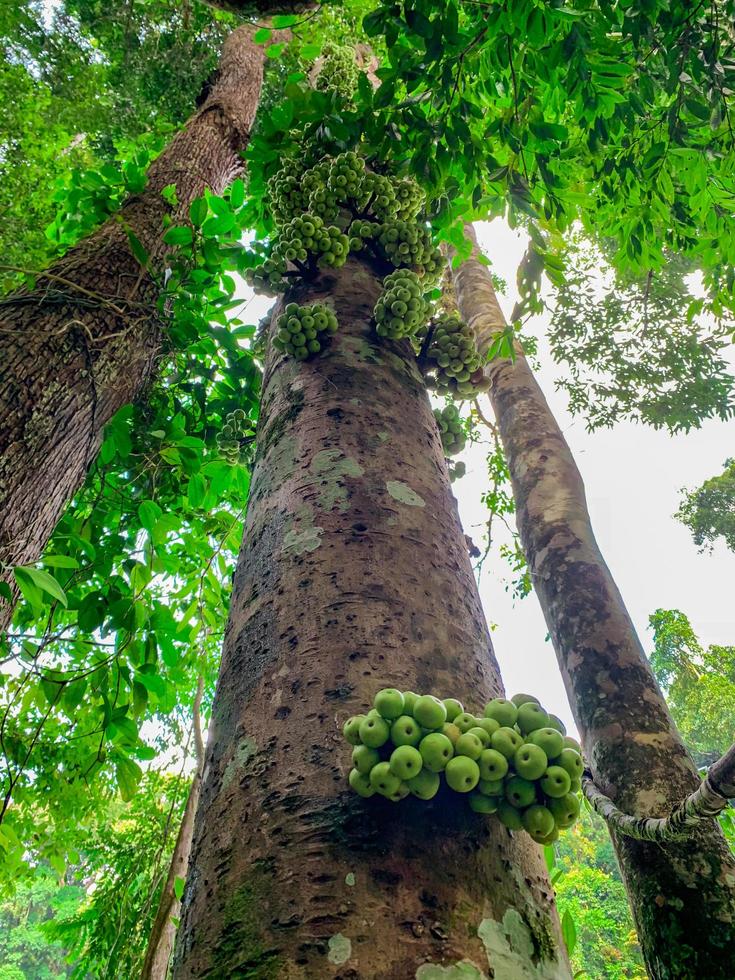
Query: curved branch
point(705, 803)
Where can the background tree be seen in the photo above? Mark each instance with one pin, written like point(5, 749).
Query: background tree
point(709, 511)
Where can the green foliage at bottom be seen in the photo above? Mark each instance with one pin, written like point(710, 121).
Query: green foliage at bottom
point(591, 894)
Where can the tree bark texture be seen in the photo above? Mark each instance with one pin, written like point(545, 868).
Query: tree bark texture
point(163, 931)
point(682, 894)
point(353, 575)
point(87, 338)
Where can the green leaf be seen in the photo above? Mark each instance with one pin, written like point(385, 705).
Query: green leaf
point(262, 35)
point(26, 575)
point(179, 887)
point(198, 210)
point(310, 51)
point(128, 775)
point(237, 193)
point(569, 931)
point(197, 489)
point(149, 512)
point(274, 50)
point(5, 592)
point(60, 561)
point(137, 248)
point(179, 235)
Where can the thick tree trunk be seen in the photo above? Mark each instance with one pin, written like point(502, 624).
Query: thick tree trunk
point(683, 895)
point(353, 575)
point(163, 930)
point(86, 340)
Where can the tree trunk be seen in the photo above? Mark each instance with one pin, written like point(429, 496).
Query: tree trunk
point(87, 338)
point(163, 930)
point(683, 895)
point(353, 575)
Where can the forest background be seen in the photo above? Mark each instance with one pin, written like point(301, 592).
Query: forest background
point(90, 96)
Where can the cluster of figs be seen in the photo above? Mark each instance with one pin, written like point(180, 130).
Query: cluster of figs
point(515, 760)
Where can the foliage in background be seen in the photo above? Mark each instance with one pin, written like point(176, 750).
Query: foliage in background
point(709, 511)
point(80, 84)
point(26, 951)
point(699, 684)
point(638, 350)
point(125, 866)
point(590, 893)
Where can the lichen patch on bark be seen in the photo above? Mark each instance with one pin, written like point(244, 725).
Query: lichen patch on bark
point(339, 949)
point(404, 494)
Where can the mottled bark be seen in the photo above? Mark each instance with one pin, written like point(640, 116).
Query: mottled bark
point(353, 575)
point(683, 894)
point(163, 931)
point(87, 338)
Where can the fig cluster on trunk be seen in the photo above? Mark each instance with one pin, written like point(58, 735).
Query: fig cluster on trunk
point(401, 310)
point(450, 429)
point(302, 330)
point(515, 761)
point(452, 361)
point(234, 441)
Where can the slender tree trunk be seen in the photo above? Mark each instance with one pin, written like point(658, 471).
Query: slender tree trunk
point(683, 895)
point(87, 338)
point(163, 930)
point(353, 575)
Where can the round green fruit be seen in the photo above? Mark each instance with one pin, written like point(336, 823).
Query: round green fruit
point(519, 699)
point(506, 741)
point(389, 702)
point(490, 787)
point(351, 729)
point(549, 740)
point(409, 700)
point(538, 821)
point(509, 816)
point(451, 731)
point(361, 784)
point(549, 839)
point(493, 764)
point(531, 716)
point(464, 721)
point(453, 707)
point(489, 724)
point(504, 712)
point(405, 731)
point(468, 745)
point(481, 734)
point(530, 761)
point(406, 761)
point(555, 782)
point(364, 758)
point(436, 751)
point(425, 785)
point(383, 779)
point(400, 794)
point(571, 761)
point(482, 804)
point(519, 792)
point(556, 723)
point(462, 774)
point(429, 711)
point(565, 810)
point(374, 731)
point(576, 786)
point(572, 743)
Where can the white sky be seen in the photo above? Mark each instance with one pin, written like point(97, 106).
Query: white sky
point(633, 476)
